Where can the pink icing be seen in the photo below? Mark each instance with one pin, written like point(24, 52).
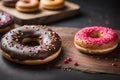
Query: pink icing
point(108, 35)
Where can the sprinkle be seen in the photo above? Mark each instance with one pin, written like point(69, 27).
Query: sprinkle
point(11, 44)
point(45, 32)
point(113, 64)
point(49, 49)
point(54, 47)
point(53, 32)
point(16, 40)
point(46, 41)
point(55, 38)
point(6, 38)
point(66, 61)
point(75, 63)
point(32, 26)
point(17, 47)
point(21, 48)
point(68, 58)
point(37, 29)
point(36, 52)
point(3, 44)
point(30, 50)
point(19, 36)
point(44, 26)
point(21, 33)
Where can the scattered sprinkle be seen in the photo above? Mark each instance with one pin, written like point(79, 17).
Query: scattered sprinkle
point(75, 63)
point(114, 64)
point(68, 58)
point(66, 61)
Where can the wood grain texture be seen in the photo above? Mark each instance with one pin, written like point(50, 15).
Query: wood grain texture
point(87, 63)
point(43, 16)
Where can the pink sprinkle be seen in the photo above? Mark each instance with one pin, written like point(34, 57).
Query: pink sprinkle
point(65, 61)
point(108, 35)
point(75, 63)
point(114, 64)
point(68, 58)
point(21, 48)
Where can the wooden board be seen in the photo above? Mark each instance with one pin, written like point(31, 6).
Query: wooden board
point(86, 63)
point(43, 16)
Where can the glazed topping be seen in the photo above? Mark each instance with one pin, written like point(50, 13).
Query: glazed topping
point(97, 35)
point(5, 19)
point(12, 43)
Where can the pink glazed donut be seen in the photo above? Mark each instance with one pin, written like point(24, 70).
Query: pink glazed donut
point(96, 40)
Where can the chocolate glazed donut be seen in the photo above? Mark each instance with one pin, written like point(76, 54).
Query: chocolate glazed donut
point(14, 47)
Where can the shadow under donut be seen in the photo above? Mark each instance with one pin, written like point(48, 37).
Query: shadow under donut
point(46, 66)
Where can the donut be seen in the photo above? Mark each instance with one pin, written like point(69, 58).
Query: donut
point(6, 22)
point(96, 40)
point(15, 45)
point(9, 3)
point(52, 4)
point(27, 5)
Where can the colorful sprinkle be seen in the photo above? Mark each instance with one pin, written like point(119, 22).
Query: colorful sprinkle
point(14, 41)
point(75, 63)
point(68, 58)
point(66, 61)
point(85, 35)
point(114, 64)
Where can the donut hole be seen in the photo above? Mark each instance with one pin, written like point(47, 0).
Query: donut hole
point(31, 41)
point(95, 35)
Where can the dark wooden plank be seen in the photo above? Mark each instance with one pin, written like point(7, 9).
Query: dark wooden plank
point(87, 63)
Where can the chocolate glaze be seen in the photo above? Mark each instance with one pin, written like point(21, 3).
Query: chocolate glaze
point(5, 20)
point(12, 45)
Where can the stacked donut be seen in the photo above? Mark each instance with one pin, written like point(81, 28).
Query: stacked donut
point(33, 5)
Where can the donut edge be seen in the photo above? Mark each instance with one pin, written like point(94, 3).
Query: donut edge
point(32, 62)
point(88, 51)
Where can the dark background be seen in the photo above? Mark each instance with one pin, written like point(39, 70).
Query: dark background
point(95, 12)
point(92, 12)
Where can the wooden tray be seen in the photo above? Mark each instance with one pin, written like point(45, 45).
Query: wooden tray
point(43, 16)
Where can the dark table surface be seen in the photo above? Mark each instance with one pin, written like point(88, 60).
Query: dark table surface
point(95, 12)
point(92, 12)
